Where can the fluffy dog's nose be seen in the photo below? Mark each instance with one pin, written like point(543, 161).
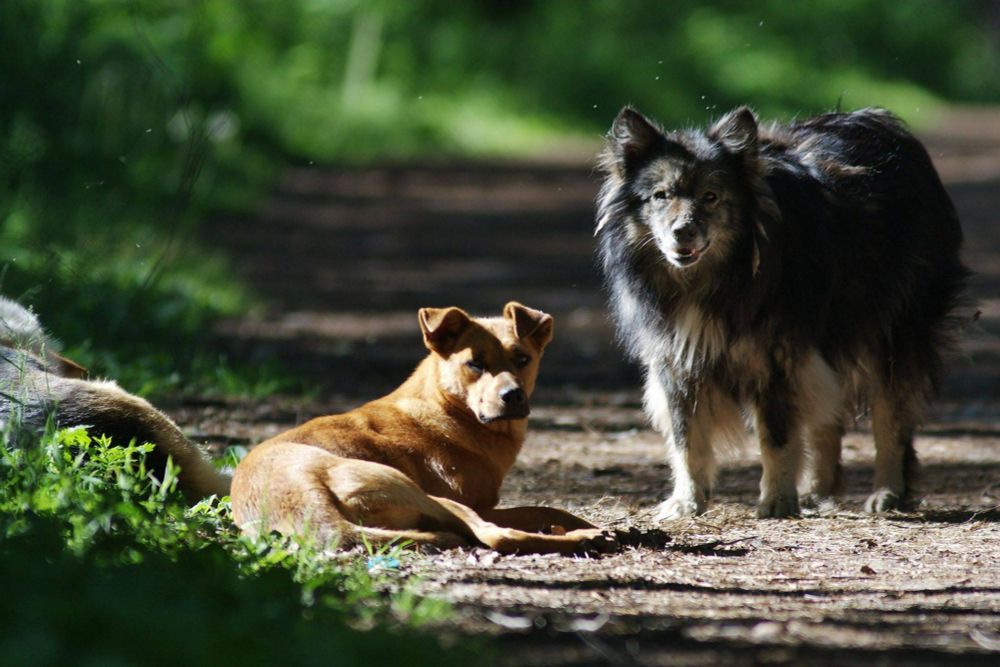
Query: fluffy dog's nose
point(684, 233)
point(513, 397)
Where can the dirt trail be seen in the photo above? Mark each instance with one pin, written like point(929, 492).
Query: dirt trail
point(347, 256)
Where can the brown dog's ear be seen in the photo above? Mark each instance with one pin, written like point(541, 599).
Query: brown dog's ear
point(529, 323)
point(442, 327)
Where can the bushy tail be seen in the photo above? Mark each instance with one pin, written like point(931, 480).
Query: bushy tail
point(108, 410)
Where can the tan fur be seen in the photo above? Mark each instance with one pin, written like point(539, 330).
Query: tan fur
point(424, 463)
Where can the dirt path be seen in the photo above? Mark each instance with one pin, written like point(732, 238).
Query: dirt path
point(347, 256)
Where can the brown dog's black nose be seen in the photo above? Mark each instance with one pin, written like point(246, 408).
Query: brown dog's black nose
point(513, 397)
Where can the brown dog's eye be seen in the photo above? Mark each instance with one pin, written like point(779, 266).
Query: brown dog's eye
point(522, 360)
point(475, 366)
point(710, 197)
point(660, 194)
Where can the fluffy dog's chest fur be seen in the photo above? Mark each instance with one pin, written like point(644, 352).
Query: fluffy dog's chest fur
point(699, 345)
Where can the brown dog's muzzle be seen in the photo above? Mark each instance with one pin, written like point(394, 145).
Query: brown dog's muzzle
point(502, 398)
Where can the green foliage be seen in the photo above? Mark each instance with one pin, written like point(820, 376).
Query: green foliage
point(107, 158)
point(124, 122)
point(101, 563)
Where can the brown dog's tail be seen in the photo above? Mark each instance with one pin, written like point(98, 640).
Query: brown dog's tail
point(108, 410)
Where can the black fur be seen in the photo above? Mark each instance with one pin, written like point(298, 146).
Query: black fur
point(831, 236)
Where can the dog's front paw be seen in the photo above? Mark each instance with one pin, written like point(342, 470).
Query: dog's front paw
point(818, 503)
point(778, 506)
point(883, 500)
point(676, 508)
point(595, 540)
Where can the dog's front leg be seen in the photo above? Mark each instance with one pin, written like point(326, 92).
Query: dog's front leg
point(535, 519)
point(672, 406)
point(778, 427)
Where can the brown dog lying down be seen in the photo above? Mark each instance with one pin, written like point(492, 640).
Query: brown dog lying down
point(424, 463)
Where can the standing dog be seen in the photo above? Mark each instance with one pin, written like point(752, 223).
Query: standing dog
point(788, 271)
point(426, 462)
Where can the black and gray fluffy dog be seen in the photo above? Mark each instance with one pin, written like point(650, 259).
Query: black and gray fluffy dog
point(782, 274)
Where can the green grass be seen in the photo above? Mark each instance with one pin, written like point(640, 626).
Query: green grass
point(102, 564)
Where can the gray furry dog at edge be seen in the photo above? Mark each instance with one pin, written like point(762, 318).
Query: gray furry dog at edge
point(38, 385)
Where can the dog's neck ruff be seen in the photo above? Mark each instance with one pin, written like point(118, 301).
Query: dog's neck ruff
point(695, 339)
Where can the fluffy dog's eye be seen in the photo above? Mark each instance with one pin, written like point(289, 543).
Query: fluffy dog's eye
point(710, 197)
point(660, 194)
point(475, 366)
point(522, 360)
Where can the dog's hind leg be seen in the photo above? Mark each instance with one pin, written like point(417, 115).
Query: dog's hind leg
point(895, 412)
point(381, 503)
point(779, 427)
point(823, 404)
point(391, 499)
point(781, 459)
point(823, 476)
point(304, 490)
point(380, 537)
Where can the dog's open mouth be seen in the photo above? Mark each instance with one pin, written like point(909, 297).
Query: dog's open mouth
point(685, 256)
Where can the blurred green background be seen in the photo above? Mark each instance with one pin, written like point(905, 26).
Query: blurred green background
point(124, 123)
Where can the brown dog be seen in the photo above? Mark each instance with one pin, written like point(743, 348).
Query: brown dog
point(424, 463)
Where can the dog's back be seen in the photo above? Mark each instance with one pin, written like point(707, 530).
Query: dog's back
point(868, 250)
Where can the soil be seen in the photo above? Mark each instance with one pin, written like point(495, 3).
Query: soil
point(344, 257)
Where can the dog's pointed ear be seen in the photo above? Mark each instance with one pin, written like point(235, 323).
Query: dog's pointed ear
point(633, 138)
point(529, 323)
point(67, 368)
point(442, 327)
point(737, 131)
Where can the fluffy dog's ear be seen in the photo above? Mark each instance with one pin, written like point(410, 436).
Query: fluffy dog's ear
point(634, 138)
point(442, 327)
point(67, 368)
point(529, 323)
point(737, 131)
